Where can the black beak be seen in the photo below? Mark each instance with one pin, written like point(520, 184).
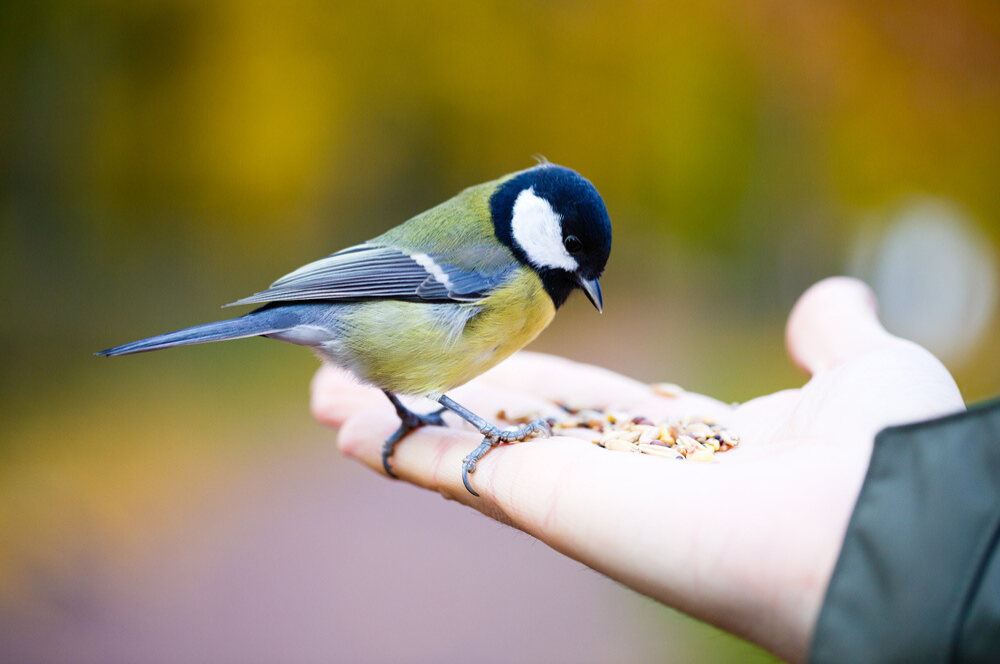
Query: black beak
point(592, 287)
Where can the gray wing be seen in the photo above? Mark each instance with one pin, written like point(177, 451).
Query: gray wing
point(368, 272)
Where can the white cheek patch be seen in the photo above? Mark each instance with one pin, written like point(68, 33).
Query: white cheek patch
point(537, 230)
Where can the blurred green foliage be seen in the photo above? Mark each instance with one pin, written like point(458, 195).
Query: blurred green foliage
point(163, 157)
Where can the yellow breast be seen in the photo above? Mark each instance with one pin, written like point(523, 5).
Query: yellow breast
point(421, 349)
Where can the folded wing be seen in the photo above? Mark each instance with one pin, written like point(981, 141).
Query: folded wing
point(369, 272)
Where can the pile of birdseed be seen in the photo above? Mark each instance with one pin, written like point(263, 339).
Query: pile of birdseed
point(690, 438)
point(694, 439)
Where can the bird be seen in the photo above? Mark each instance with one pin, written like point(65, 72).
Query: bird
point(439, 299)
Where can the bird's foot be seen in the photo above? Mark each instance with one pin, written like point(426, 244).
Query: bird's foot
point(469, 462)
point(408, 422)
point(540, 427)
point(493, 436)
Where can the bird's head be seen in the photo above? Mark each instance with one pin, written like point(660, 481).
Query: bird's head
point(554, 221)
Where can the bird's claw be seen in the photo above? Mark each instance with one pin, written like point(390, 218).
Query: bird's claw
point(518, 435)
point(469, 462)
point(408, 422)
point(494, 436)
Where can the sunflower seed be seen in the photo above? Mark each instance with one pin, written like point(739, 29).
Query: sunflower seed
point(701, 455)
point(619, 445)
point(659, 450)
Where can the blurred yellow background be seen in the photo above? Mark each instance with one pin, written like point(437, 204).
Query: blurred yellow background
point(161, 158)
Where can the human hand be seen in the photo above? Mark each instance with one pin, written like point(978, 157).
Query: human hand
point(747, 543)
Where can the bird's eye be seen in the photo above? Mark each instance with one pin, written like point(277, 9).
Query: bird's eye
point(573, 244)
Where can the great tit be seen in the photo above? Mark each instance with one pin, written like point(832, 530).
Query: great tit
point(439, 299)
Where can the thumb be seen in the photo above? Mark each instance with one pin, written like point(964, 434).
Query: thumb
point(834, 321)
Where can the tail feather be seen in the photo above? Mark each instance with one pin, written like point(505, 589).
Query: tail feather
point(252, 325)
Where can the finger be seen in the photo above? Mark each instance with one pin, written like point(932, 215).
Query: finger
point(497, 403)
point(580, 386)
point(687, 404)
point(336, 395)
point(511, 478)
point(430, 456)
point(571, 384)
point(833, 322)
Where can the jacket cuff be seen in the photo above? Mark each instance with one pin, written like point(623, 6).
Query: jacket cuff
point(918, 544)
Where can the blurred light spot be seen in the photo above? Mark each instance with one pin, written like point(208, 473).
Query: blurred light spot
point(935, 274)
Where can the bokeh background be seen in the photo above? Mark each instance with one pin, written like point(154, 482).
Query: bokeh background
point(161, 158)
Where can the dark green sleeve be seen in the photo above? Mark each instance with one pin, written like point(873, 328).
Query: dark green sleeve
point(918, 578)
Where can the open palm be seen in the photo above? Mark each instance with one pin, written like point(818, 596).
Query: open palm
point(747, 543)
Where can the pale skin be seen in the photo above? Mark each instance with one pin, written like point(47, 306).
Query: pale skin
point(747, 543)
